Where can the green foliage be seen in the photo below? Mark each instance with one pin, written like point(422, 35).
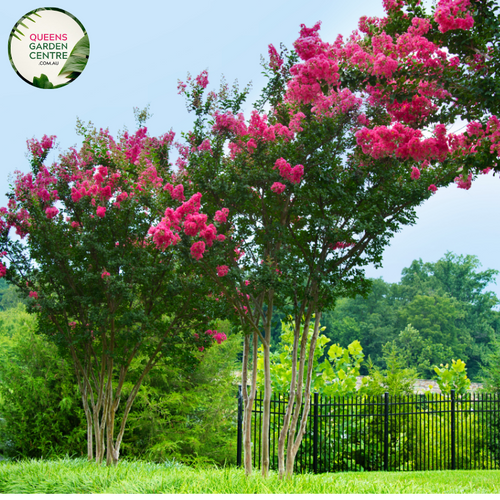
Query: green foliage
point(334, 370)
point(337, 375)
point(40, 412)
point(397, 379)
point(188, 415)
point(9, 296)
point(66, 476)
point(453, 378)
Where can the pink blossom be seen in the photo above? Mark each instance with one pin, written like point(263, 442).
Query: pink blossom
point(415, 173)
point(278, 188)
point(178, 193)
point(221, 215)
point(222, 270)
point(275, 60)
point(33, 295)
point(239, 253)
point(3, 270)
point(194, 223)
point(197, 249)
point(101, 211)
point(201, 348)
point(105, 274)
point(163, 236)
point(181, 87)
point(202, 79)
point(75, 224)
point(432, 188)
point(209, 234)
point(341, 245)
point(51, 212)
point(122, 196)
point(205, 146)
point(251, 145)
point(296, 174)
point(247, 282)
point(219, 337)
point(463, 184)
point(453, 14)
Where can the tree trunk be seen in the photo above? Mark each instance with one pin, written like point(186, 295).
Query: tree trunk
point(294, 444)
point(266, 411)
point(248, 400)
point(291, 400)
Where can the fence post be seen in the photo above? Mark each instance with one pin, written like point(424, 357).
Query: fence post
point(453, 465)
point(239, 442)
point(315, 433)
point(386, 431)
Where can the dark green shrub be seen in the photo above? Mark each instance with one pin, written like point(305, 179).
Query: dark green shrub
point(40, 411)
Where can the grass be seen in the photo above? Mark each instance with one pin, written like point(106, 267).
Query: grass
point(65, 476)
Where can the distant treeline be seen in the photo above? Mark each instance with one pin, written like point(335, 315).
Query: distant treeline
point(451, 315)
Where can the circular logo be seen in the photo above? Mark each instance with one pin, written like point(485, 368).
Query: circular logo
point(49, 48)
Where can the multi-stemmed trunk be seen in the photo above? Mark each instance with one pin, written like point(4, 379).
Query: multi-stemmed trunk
point(101, 399)
point(291, 438)
point(249, 397)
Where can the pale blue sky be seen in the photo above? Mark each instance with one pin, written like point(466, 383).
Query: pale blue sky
point(140, 49)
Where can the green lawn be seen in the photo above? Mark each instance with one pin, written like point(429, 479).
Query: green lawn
point(79, 476)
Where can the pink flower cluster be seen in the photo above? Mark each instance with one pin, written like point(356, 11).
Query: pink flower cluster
point(202, 79)
point(222, 271)
point(463, 183)
point(221, 215)
point(51, 212)
point(403, 142)
point(275, 61)
point(247, 137)
point(294, 175)
point(219, 337)
point(176, 192)
point(38, 148)
point(278, 188)
point(188, 219)
point(453, 15)
point(415, 173)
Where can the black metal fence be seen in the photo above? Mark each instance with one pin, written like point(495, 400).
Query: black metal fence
point(418, 432)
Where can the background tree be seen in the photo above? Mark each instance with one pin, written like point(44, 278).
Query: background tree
point(437, 312)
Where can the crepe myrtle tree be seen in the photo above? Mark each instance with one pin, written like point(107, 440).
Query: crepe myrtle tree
point(354, 139)
point(76, 239)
